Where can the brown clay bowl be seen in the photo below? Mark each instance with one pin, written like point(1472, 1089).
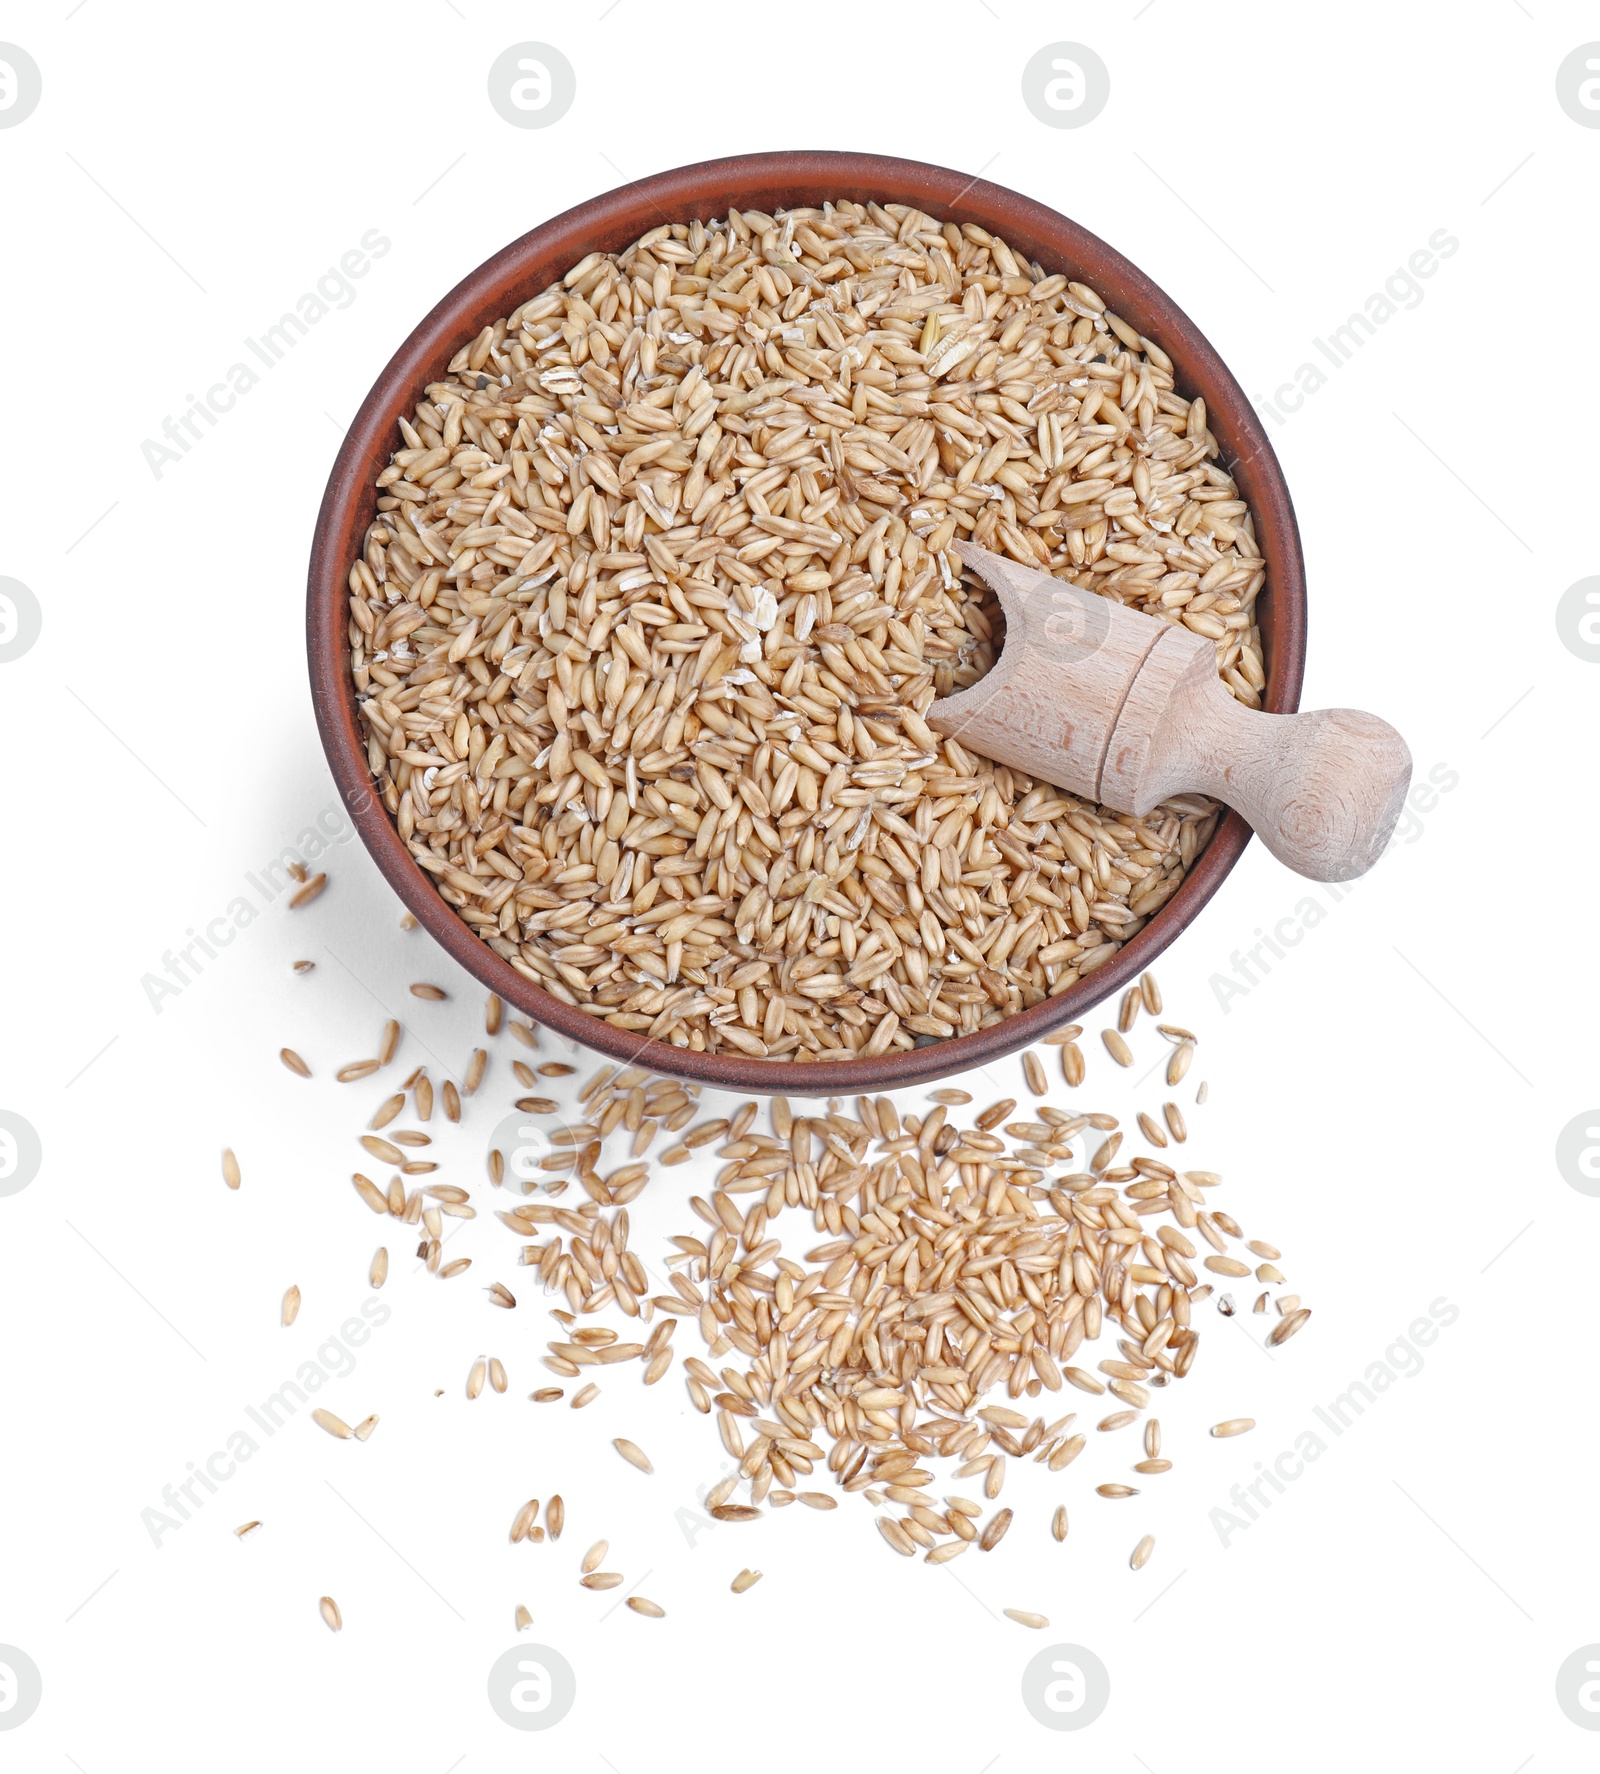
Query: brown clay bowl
point(768, 182)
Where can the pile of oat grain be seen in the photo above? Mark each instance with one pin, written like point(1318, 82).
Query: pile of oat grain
point(660, 587)
point(955, 1270)
point(965, 1278)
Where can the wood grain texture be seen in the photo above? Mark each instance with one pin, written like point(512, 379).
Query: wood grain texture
point(1322, 790)
point(1058, 638)
point(1127, 710)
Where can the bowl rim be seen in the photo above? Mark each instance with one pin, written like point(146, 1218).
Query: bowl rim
point(763, 182)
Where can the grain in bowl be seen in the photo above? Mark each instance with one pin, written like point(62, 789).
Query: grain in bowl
point(659, 589)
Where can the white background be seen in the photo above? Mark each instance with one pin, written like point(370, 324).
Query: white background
point(1384, 1105)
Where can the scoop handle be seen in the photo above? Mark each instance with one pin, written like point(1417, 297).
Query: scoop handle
point(1323, 790)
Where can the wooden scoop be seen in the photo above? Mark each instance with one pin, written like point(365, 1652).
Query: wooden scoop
point(1125, 709)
